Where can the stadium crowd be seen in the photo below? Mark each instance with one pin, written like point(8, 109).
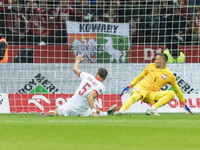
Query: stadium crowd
point(153, 22)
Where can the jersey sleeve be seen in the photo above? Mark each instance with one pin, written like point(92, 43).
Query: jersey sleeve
point(146, 70)
point(99, 90)
point(173, 81)
point(177, 89)
point(83, 75)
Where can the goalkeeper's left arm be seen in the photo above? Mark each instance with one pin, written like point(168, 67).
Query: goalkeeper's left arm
point(134, 82)
point(181, 98)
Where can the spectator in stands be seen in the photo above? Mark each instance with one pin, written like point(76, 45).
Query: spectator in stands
point(145, 7)
point(103, 6)
point(153, 25)
point(115, 3)
point(184, 8)
point(119, 7)
point(92, 2)
point(132, 10)
point(3, 49)
point(174, 54)
point(194, 28)
point(176, 26)
point(100, 6)
point(5, 5)
point(84, 12)
point(31, 6)
point(42, 5)
point(17, 23)
point(110, 16)
point(39, 28)
point(166, 7)
point(132, 15)
point(62, 13)
point(51, 5)
point(89, 13)
point(2, 16)
point(192, 5)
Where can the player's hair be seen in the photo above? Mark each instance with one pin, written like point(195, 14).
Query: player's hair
point(102, 72)
point(164, 56)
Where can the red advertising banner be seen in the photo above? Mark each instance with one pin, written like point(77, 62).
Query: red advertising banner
point(138, 54)
point(146, 54)
point(42, 54)
point(32, 103)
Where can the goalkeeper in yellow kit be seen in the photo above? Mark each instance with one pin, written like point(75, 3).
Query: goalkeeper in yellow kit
point(148, 85)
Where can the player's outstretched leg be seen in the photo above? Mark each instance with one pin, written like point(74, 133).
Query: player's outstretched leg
point(112, 109)
point(134, 98)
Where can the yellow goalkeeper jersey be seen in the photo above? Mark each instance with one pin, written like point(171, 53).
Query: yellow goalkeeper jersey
point(156, 78)
point(152, 79)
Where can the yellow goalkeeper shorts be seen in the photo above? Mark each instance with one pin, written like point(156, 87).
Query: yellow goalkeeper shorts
point(150, 96)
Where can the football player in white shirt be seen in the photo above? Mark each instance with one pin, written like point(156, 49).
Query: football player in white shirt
point(82, 102)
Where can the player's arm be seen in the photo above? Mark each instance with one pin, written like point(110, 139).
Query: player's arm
point(137, 79)
point(181, 97)
point(134, 82)
point(76, 64)
point(178, 93)
point(90, 99)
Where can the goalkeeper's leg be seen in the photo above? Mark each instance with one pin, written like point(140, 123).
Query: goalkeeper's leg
point(134, 98)
point(162, 98)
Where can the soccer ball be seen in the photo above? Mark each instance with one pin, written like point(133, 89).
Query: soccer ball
point(1, 99)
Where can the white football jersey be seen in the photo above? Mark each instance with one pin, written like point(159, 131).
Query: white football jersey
point(78, 104)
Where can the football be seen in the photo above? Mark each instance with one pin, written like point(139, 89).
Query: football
point(1, 99)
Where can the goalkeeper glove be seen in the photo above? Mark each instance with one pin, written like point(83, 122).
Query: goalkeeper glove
point(126, 90)
point(187, 109)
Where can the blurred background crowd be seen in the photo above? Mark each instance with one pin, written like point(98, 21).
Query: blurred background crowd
point(152, 22)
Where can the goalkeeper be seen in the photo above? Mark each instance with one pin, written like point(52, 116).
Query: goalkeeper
point(148, 85)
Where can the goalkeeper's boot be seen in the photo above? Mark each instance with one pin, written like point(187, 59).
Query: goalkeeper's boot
point(151, 112)
point(119, 113)
point(112, 109)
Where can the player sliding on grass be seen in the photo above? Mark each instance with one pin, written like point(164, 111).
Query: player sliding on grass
point(155, 75)
point(82, 102)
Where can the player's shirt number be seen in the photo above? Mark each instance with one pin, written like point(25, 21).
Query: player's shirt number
point(84, 89)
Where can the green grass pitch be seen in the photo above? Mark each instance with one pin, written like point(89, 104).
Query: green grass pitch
point(128, 132)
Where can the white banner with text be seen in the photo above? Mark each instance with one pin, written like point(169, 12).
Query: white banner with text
point(4, 101)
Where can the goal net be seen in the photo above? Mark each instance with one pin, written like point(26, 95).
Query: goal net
point(123, 36)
